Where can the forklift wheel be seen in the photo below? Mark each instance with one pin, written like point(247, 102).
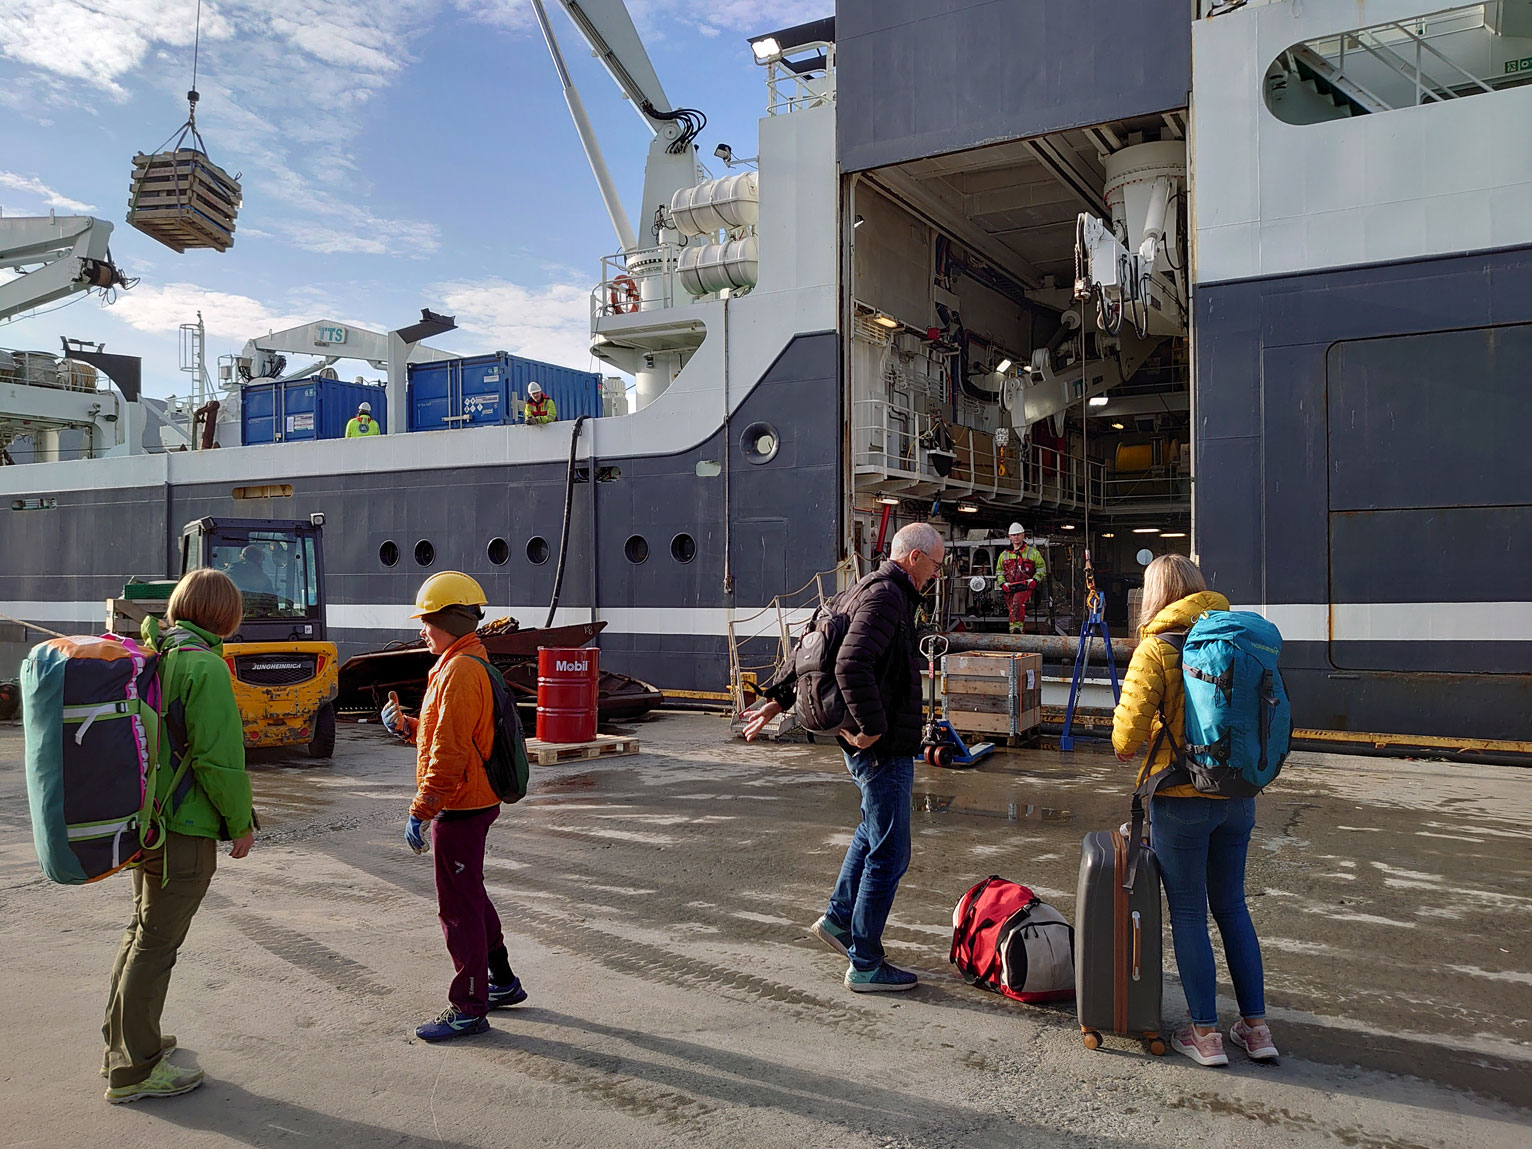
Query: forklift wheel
point(942, 755)
point(323, 744)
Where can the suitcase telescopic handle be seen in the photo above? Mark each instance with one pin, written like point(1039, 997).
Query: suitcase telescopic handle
point(1138, 940)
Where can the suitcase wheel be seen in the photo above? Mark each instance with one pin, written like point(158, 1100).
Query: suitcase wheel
point(1091, 1038)
point(1155, 1046)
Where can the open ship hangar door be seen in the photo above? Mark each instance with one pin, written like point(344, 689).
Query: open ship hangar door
point(980, 382)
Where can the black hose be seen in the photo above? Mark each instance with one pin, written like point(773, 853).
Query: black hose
point(569, 482)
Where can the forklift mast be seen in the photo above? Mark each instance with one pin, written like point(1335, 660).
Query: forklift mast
point(278, 565)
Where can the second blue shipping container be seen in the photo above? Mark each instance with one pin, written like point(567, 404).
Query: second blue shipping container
point(295, 410)
point(487, 390)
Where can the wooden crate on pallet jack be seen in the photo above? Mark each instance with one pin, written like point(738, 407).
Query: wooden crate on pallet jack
point(184, 200)
point(993, 693)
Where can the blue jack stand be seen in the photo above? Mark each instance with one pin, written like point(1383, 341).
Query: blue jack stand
point(1093, 626)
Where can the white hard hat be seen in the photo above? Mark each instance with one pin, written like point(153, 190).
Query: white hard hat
point(364, 408)
point(1016, 529)
point(534, 389)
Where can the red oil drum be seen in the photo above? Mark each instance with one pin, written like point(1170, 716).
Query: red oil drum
point(566, 693)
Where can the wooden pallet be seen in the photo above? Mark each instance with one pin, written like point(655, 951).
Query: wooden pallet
point(541, 753)
point(184, 200)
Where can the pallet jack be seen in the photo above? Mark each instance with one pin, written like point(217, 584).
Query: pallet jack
point(941, 745)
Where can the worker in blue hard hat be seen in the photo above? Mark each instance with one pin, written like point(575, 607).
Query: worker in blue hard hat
point(540, 406)
point(363, 424)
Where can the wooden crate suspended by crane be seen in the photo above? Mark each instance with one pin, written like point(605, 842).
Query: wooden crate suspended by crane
point(184, 200)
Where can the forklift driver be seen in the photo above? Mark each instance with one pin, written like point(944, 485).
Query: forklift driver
point(249, 574)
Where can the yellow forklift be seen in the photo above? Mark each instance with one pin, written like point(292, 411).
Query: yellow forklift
point(285, 673)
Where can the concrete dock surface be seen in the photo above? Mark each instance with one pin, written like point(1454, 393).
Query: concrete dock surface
point(656, 909)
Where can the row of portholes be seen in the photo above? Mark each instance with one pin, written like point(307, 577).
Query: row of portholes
point(683, 548)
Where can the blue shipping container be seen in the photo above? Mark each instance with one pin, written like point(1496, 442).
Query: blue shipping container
point(301, 409)
point(478, 391)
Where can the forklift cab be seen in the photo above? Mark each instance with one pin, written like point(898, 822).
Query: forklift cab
point(284, 670)
point(278, 566)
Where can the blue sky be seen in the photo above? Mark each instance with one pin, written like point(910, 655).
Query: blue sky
point(396, 154)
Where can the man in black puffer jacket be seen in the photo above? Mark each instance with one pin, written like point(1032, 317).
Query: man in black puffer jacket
point(878, 672)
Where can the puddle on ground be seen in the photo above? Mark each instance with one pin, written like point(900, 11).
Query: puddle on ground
point(924, 802)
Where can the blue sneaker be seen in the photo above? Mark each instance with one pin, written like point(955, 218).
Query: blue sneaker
point(449, 1024)
point(505, 996)
point(882, 978)
point(832, 935)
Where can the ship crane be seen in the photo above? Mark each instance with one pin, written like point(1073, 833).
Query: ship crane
point(72, 255)
point(1129, 266)
point(608, 28)
point(53, 258)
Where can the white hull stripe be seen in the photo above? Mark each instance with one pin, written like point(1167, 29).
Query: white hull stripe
point(1400, 621)
point(1298, 622)
point(751, 622)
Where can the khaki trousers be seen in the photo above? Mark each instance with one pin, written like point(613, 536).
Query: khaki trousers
point(162, 913)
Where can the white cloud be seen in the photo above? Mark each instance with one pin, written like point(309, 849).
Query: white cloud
point(99, 41)
point(41, 192)
point(551, 323)
point(161, 309)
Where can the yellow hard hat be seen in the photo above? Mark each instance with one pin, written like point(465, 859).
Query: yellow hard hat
point(448, 588)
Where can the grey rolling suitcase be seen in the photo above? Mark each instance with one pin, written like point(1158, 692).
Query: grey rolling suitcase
point(1117, 938)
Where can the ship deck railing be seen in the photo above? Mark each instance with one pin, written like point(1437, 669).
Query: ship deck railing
point(803, 78)
point(891, 455)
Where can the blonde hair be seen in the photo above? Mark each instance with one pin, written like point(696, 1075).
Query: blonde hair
point(1168, 579)
point(209, 599)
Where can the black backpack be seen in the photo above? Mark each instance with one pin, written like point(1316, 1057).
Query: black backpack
point(506, 767)
point(817, 697)
point(818, 701)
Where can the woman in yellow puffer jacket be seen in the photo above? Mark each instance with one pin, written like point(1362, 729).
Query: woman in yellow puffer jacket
point(1201, 841)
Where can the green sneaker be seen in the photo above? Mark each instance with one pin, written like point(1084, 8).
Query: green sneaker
point(167, 1043)
point(166, 1080)
point(882, 978)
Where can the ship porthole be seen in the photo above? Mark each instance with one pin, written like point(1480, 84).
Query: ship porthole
point(760, 443)
point(388, 553)
point(537, 550)
point(425, 553)
point(498, 550)
point(637, 549)
point(683, 548)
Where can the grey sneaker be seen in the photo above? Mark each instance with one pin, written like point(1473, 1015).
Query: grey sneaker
point(882, 978)
point(832, 935)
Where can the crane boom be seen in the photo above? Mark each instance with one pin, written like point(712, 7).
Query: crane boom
point(608, 29)
point(72, 250)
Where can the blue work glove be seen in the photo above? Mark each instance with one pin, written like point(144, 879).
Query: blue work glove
point(414, 834)
point(390, 715)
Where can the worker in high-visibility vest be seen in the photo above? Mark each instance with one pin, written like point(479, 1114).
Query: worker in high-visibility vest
point(363, 424)
point(540, 406)
point(1018, 570)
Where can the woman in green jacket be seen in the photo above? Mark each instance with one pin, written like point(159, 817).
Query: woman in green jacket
point(205, 802)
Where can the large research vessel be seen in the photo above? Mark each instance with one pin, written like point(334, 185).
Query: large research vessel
point(1249, 280)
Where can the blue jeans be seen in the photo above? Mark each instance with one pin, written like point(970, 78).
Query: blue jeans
point(1201, 844)
point(878, 855)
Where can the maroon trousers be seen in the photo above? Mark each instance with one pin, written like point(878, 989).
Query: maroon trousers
point(469, 921)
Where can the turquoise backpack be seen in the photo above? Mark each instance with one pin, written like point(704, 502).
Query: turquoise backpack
point(1238, 721)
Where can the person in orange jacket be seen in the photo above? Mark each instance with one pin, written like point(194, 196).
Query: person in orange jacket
point(453, 736)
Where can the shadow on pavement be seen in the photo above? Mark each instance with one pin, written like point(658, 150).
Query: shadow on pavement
point(226, 1109)
point(711, 1073)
